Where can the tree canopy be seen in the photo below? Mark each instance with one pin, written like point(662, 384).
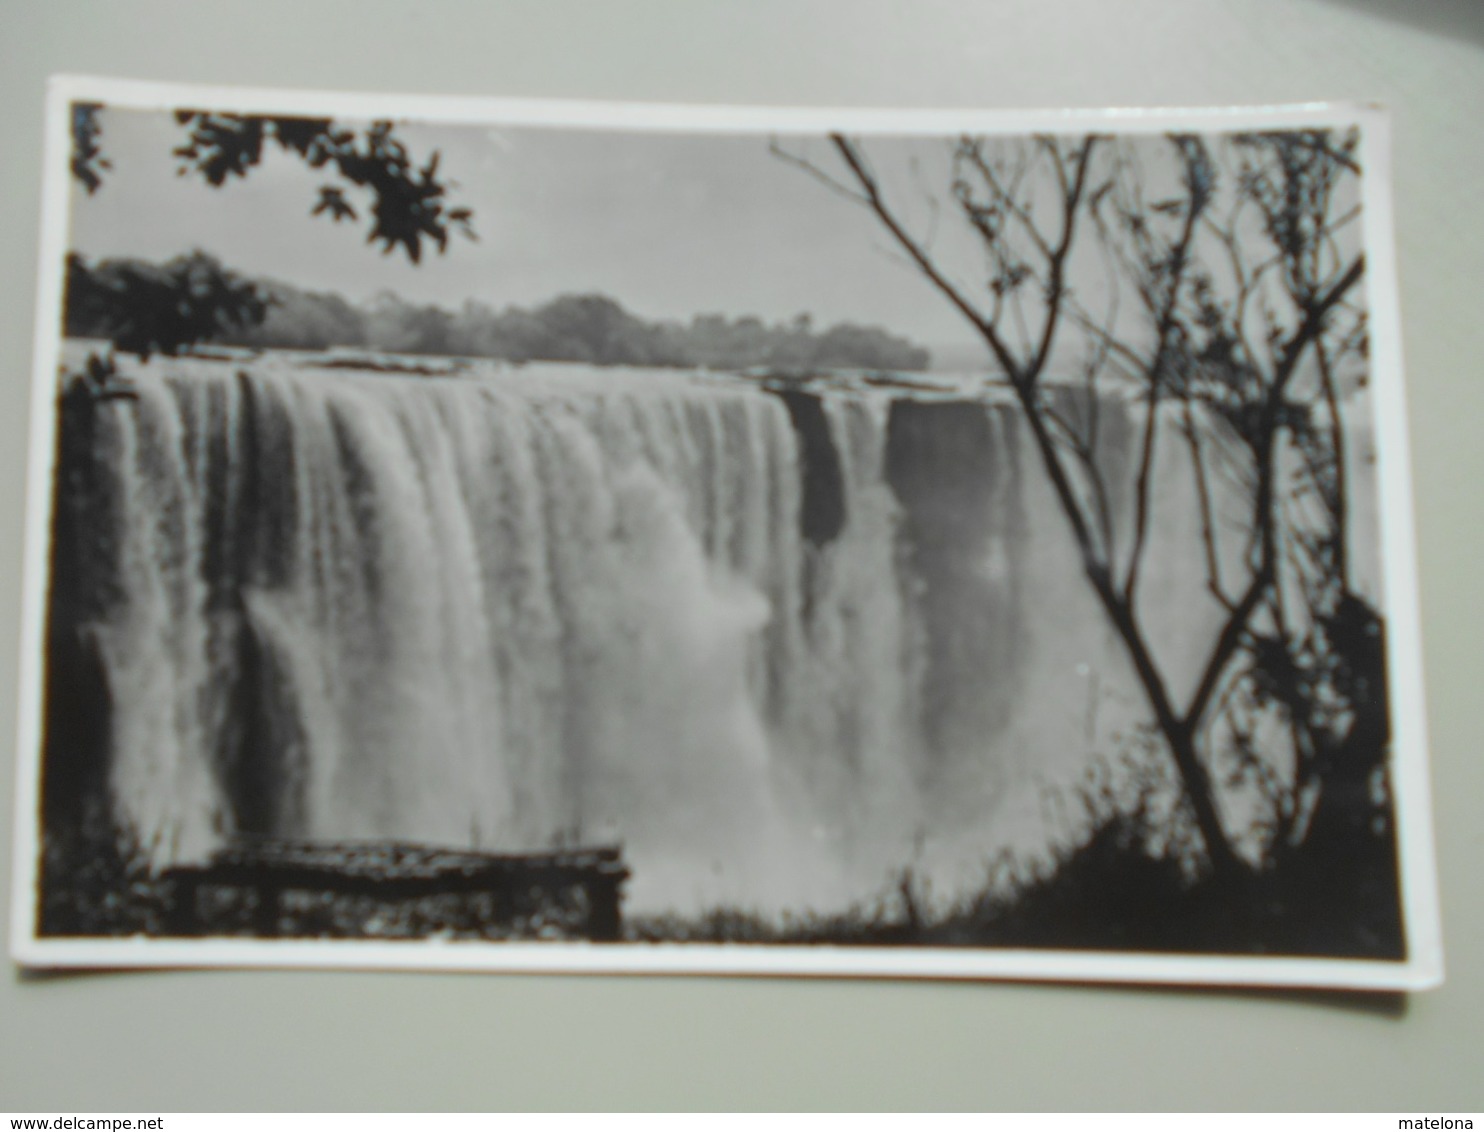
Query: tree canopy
point(145, 308)
point(405, 201)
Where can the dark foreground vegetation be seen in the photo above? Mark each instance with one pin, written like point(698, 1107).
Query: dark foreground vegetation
point(1110, 891)
point(1106, 894)
point(268, 888)
point(146, 308)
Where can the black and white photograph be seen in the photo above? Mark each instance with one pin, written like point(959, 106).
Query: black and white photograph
point(559, 536)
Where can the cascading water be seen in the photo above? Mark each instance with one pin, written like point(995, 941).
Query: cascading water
point(780, 645)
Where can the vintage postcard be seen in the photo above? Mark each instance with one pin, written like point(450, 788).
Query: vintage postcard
point(532, 535)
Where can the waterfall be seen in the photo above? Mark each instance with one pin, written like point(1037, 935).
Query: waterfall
point(780, 646)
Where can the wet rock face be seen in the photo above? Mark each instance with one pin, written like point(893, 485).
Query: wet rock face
point(83, 590)
point(822, 511)
point(940, 461)
point(947, 463)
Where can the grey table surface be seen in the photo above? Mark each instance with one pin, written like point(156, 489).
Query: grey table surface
point(339, 1040)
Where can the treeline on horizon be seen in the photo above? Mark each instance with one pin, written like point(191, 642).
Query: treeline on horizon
point(128, 300)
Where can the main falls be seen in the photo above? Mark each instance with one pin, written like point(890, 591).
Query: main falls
point(780, 645)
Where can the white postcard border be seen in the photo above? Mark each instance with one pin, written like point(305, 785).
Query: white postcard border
point(1421, 969)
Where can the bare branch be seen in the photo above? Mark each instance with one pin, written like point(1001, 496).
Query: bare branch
point(1178, 262)
point(1263, 576)
point(813, 170)
point(871, 194)
point(1209, 534)
point(1056, 286)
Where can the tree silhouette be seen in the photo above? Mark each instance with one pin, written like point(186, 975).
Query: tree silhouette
point(1241, 257)
point(408, 201)
point(194, 299)
point(145, 309)
point(88, 163)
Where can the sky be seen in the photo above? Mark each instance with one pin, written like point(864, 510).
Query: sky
point(670, 225)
